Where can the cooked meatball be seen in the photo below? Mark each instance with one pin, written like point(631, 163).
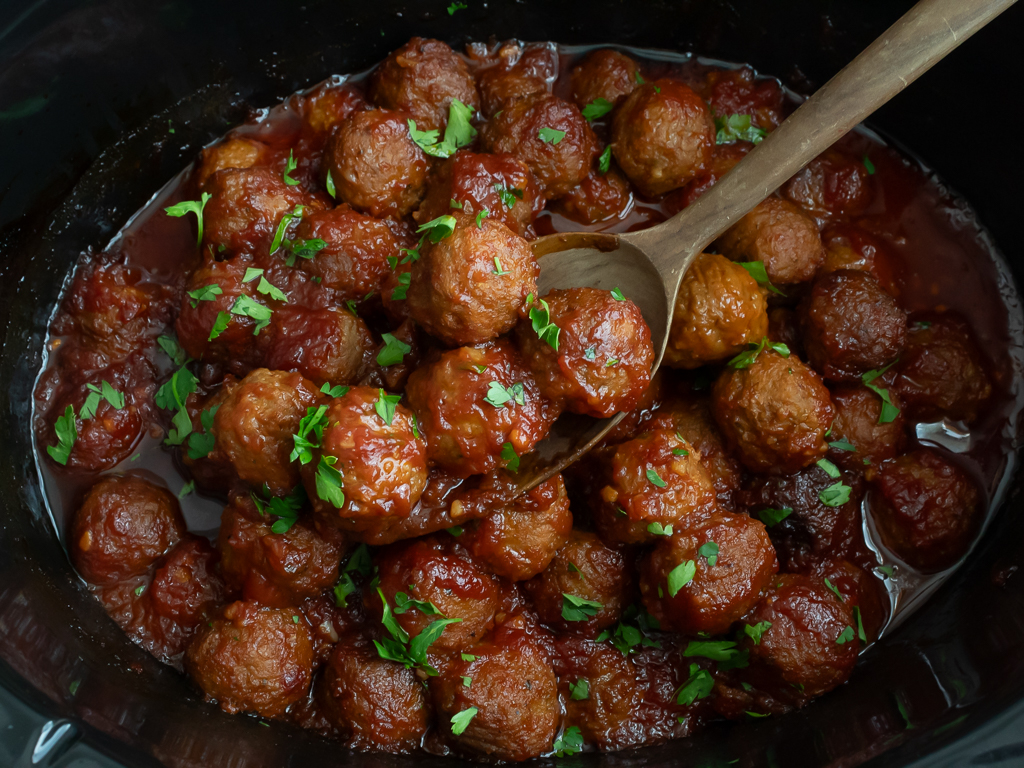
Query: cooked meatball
point(850, 325)
point(779, 234)
point(520, 538)
point(926, 508)
point(599, 197)
point(520, 71)
point(860, 589)
point(326, 107)
point(832, 184)
point(255, 424)
point(738, 92)
point(856, 424)
point(705, 576)
point(253, 659)
point(941, 372)
point(455, 399)
point(719, 310)
point(653, 482)
point(435, 571)
point(550, 136)
point(234, 152)
point(513, 690)
point(585, 569)
point(468, 287)
point(603, 74)
point(773, 413)
point(604, 356)
point(422, 78)
point(375, 165)
point(847, 246)
point(662, 136)
point(324, 345)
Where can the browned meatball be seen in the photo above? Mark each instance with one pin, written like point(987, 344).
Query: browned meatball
point(422, 78)
point(739, 92)
point(603, 74)
point(123, 525)
point(519, 539)
point(326, 107)
point(860, 589)
point(436, 571)
point(848, 246)
point(653, 482)
point(469, 286)
point(599, 197)
point(589, 571)
point(466, 419)
point(513, 691)
point(255, 423)
point(832, 184)
point(549, 135)
point(706, 576)
point(253, 659)
point(375, 165)
point(603, 361)
point(328, 345)
point(233, 152)
point(773, 413)
point(375, 704)
point(662, 136)
point(719, 310)
point(779, 234)
point(850, 325)
point(926, 508)
point(941, 372)
point(856, 424)
point(519, 71)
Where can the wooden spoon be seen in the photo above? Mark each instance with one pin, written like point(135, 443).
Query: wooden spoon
point(649, 265)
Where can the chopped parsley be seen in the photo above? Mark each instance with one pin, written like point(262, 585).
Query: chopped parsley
point(311, 432)
point(698, 685)
point(889, 411)
point(282, 227)
point(172, 397)
point(580, 690)
point(97, 395)
point(246, 306)
point(206, 293)
point(617, 295)
point(510, 457)
point(772, 517)
point(680, 576)
point(201, 443)
point(386, 405)
point(410, 652)
point(483, 214)
point(439, 228)
point(457, 6)
point(550, 135)
point(845, 636)
point(402, 289)
point(746, 359)
point(709, 552)
point(173, 349)
point(834, 590)
point(508, 195)
point(331, 189)
point(657, 529)
point(835, 495)
point(829, 469)
point(358, 562)
point(498, 269)
point(604, 160)
point(269, 289)
point(186, 207)
point(285, 509)
point(760, 274)
point(843, 445)
point(457, 133)
point(596, 109)
point(869, 166)
point(732, 128)
point(67, 433)
point(578, 609)
point(329, 482)
point(337, 391)
point(542, 325)
point(569, 743)
point(394, 350)
point(220, 324)
point(755, 631)
point(499, 396)
point(290, 166)
point(655, 478)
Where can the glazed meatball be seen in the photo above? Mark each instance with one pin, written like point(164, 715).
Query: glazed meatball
point(603, 74)
point(375, 165)
point(123, 525)
point(719, 310)
point(255, 424)
point(520, 538)
point(738, 92)
point(253, 659)
point(706, 576)
point(926, 508)
point(520, 71)
point(599, 197)
point(847, 246)
point(513, 690)
point(550, 136)
point(602, 364)
point(325, 345)
point(833, 184)
point(857, 424)
point(460, 294)
point(437, 572)
point(326, 107)
point(860, 589)
point(773, 413)
point(941, 373)
point(466, 431)
point(653, 482)
point(376, 704)
point(379, 463)
point(779, 234)
point(234, 152)
point(588, 570)
point(662, 136)
point(422, 78)
point(850, 325)
point(811, 642)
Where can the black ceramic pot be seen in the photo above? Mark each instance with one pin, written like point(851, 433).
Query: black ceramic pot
point(86, 93)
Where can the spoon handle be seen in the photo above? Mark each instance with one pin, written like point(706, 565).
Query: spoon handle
point(911, 46)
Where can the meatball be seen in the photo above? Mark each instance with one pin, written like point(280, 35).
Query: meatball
point(375, 165)
point(706, 576)
point(435, 571)
point(550, 136)
point(784, 328)
point(941, 373)
point(597, 580)
point(371, 449)
point(662, 136)
point(123, 525)
point(255, 424)
point(739, 92)
point(468, 287)
point(847, 246)
point(850, 325)
point(375, 704)
point(779, 234)
point(603, 74)
point(422, 78)
point(253, 659)
point(326, 107)
point(520, 538)
point(832, 184)
point(234, 152)
point(653, 482)
point(472, 402)
point(599, 197)
point(512, 690)
point(602, 364)
point(325, 345)
point(520, 71)
point(859, 442)
point(926, 508)
point(773, 413)
point(719, 310)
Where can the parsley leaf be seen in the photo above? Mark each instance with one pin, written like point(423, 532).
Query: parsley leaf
point(843, 445)
point(290, 166)
point(402, 289)
point(97, 395)
point(578, 609)
point(604, 160)
point(542, 325)
point(206, 293)
point(655, 478)
point(580, 690)
point(772, 517)
point(329, 482)
point(760, 274)
point(245, 306)
point(829, 468)
point(716, 650)
point(598, 108)
point(698, 685)
point(733, 128)
point(461, 720)
point(439, 228)
point(220, 324)
point(680, 576)
point(508, 195)
point(331, 189)
point(755, 631)
point(835, 495)
point(282, 227)
point(269, 289)
point(399, 648)
point(845, 636)
point(510, 457)
point(456, 6)
point(569, 743)
point(709, 552)
point(498, 270)
point(172, 397)
point(869, 166)
point(394, 350)
point(499, 396)
point(889, 411)
point(186, 207)
point(834, 590)
point(67, 433)
point(201, 443)
point(658, 529)
point(285, 509)
point(457, 133)
point(338, 391)
point(746, 359)
point(311, 432)
point(173, 349)
point(385, 406)
point(551, 135)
